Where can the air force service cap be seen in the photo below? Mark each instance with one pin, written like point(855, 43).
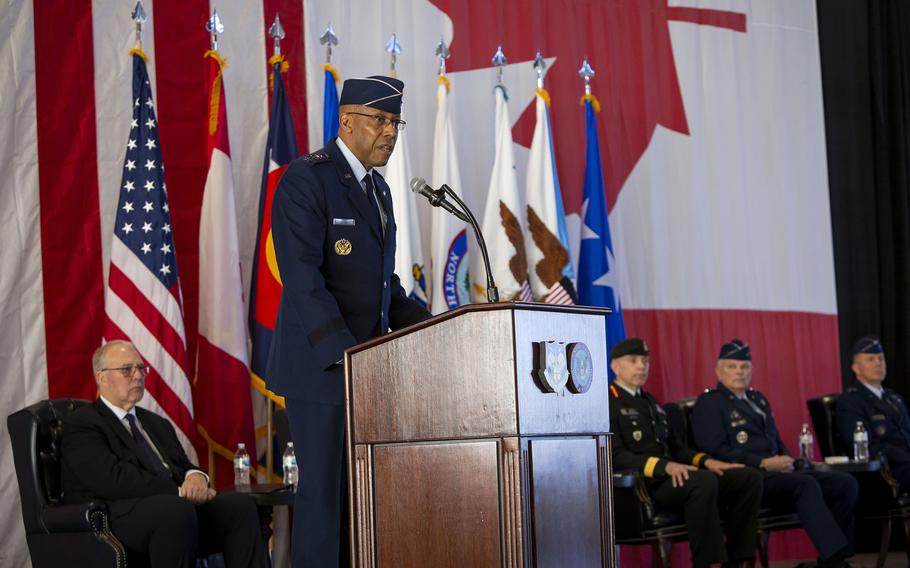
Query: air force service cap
point(868, 344)
point(736, 349)
point(630, 346)
point(377, 91)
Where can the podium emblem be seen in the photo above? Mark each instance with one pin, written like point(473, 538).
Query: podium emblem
point(552, 370)
point(581, 368)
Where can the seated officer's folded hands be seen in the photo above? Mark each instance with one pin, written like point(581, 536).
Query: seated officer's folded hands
point(718, 467)
point(196, 490)
point(777, 463)
point(679, 472)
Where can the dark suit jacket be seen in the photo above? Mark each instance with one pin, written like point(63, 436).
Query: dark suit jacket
point(337, 269)
point(729, 429)
point(886, 421)
point(101, 463)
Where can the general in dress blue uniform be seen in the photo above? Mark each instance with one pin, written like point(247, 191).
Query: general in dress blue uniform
point(882, 411)
point(706, 489)
point(334, 234)
point(735, 423)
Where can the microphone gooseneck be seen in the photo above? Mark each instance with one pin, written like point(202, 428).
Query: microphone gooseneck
point(492, 291)
point(436, 197)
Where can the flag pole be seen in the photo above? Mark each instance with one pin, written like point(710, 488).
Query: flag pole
point(139, 16)
point(393, 48)
point(328, 39)
point(214, 27)
point(499, 60)
point(586, 72)
point(276, 32)
point(330, 93)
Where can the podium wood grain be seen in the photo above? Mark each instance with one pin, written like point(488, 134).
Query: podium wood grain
point(437, 504)
point(458, 458)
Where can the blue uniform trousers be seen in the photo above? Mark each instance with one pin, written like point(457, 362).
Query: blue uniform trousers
point(824, 500)
point(320, 532)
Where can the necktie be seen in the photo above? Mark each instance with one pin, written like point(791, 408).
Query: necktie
point(146, 453)
point(375, 202)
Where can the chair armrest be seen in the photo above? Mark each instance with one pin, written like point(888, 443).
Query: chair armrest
point(625, 479)
point(889, 478)
point(81, 517)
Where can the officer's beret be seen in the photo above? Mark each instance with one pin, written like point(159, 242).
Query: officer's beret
point(735, 349)
point(630, 346)
point(383, 93)
point(868, 344)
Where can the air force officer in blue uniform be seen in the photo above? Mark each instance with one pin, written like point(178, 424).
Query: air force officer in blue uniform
point(882, 411)
point(734, 423)
point(334, 234)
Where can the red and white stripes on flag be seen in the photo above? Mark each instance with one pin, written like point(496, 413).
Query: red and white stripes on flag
point(547, 255)
point(144, 303)
point(223, 407)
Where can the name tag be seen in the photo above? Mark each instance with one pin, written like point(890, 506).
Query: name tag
point(628, 412)
point(877, 417)
point(344, 222)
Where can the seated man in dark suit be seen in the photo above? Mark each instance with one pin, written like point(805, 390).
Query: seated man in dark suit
point(161, 505)
point(707, 489)
point(882, 411)
point(735, 423)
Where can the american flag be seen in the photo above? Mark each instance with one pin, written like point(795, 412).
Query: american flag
point(143, 303)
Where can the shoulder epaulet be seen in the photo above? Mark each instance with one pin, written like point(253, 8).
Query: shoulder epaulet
point(316, 157)
point(614, 391)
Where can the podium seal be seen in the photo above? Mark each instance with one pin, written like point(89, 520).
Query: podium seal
point(581, 367)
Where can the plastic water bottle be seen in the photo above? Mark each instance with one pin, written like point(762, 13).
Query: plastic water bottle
point(860, 443)
point(241, 465)
point(289, 464)
point(806, 444)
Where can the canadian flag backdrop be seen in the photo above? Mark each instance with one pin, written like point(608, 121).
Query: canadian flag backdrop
point(712, 139)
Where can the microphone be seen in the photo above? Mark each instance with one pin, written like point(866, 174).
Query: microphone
point(436, 197)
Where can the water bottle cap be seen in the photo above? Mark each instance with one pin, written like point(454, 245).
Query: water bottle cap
point(241, 446)
point(859, 422)
point(290, 444)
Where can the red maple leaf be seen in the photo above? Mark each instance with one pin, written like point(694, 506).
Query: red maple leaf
point(627, 42)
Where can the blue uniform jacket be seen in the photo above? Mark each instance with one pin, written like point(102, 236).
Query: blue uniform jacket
point(336, 268)
point(885, 419)
point(729, 428)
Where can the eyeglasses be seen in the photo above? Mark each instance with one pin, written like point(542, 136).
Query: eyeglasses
point(381, 121)
point(127, 371)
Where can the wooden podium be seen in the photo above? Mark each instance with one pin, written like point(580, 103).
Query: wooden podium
point(480, 438)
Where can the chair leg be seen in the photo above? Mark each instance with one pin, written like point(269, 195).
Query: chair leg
point(660, 553)
point(906, 521)
point(763, 539)
point(884, 543)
